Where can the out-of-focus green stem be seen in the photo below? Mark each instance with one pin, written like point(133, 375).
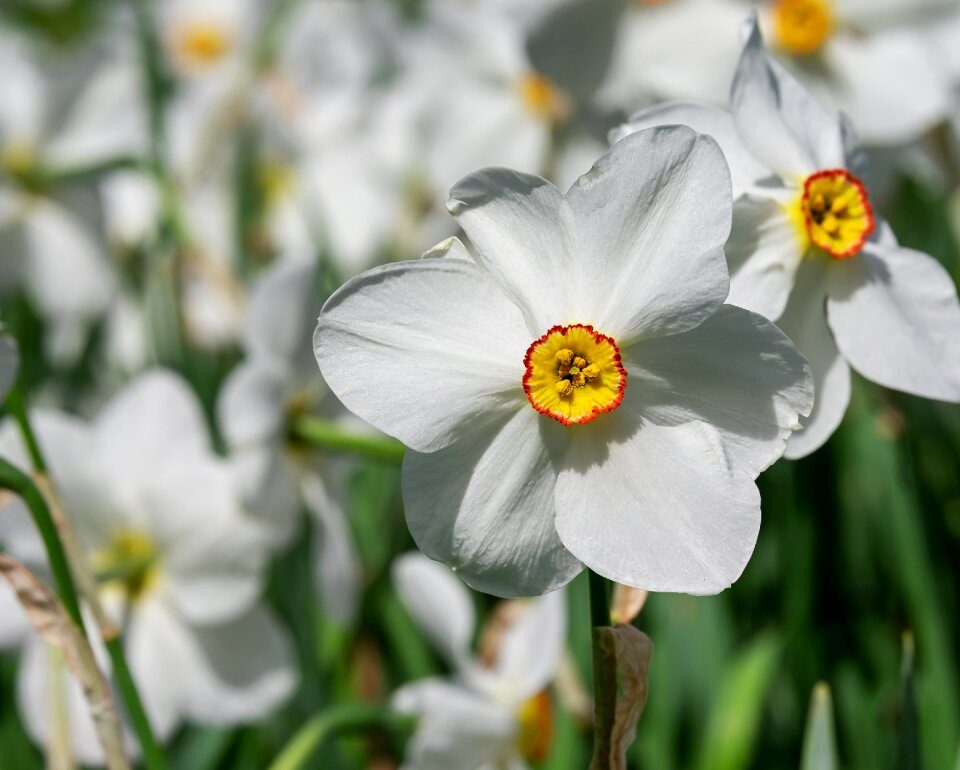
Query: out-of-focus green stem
point(328, 435)
point(19, 483)
point(347, 718)
point(18, 411)
point(604, 673)
point(16, 481)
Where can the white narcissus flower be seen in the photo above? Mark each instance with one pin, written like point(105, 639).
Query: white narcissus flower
point(808, 251)
point(179, 567)
point(496, 716)
point(9, 362)
point(577, 391)
point(261, 398)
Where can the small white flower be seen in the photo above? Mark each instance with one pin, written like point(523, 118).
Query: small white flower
point(499, 716)
point(808, 251)
point(576, 392)
point(179, 567)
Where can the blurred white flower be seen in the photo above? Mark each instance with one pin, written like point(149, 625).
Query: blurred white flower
point(864, 57)
point(48, 240)
point(808, 251)
point(484, 716)
point(179, 566)
point(9, 362)
point(208, 38)
point(277, 383)
point(601, 306)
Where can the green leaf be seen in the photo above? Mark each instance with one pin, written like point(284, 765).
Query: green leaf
point(907, 756)
point(734, 723)
point(819, 741)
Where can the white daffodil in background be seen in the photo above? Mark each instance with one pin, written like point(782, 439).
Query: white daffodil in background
point(259, 402)
point(868, 58)
point(51, 125)
point(488, 714)
point(808, 251)
point(180, 568)
point(579, 392)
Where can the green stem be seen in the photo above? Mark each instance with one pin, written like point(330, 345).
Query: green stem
point(15, 406)
point(19, 483)
point(152, 755)
point(346, 718)
point(599, 600)
point(328, 435)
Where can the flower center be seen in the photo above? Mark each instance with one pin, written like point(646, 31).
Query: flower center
point(535, 736)
point(574, 374)
point(128, 563)
point(542, 98)
point(200, 44)
point(801, 27)
point(836, 212)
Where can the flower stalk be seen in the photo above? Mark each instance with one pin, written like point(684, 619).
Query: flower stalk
point(328, 435)
point(336, 721)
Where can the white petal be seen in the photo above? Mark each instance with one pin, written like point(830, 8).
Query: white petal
point(336, 564)
point(895, 317)
point(457, 729)
point(531, 648)
point(267, 484)
point(9, 363)
point(485, 506)
point(154, 419)
point(423, 350)
point(778, 120)
point(66, 270)
point(653, 215)
point(239, 671)
point(764, 252)
point(656, 507)
point(805, 322)
point(521, 230)
point(211, 557)
point(737, 372)
point(708, 119)
point(888, 83)
point(251, 408)
point(438, 602)
point(280, 311)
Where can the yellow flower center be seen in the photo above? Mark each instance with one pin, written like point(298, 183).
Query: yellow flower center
point(836, 212)
point(17, 159)
point(127, 564)
point(801, 27)
point(542, 98)
point(574, 374)
point(535, 735)
point(197, 45)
